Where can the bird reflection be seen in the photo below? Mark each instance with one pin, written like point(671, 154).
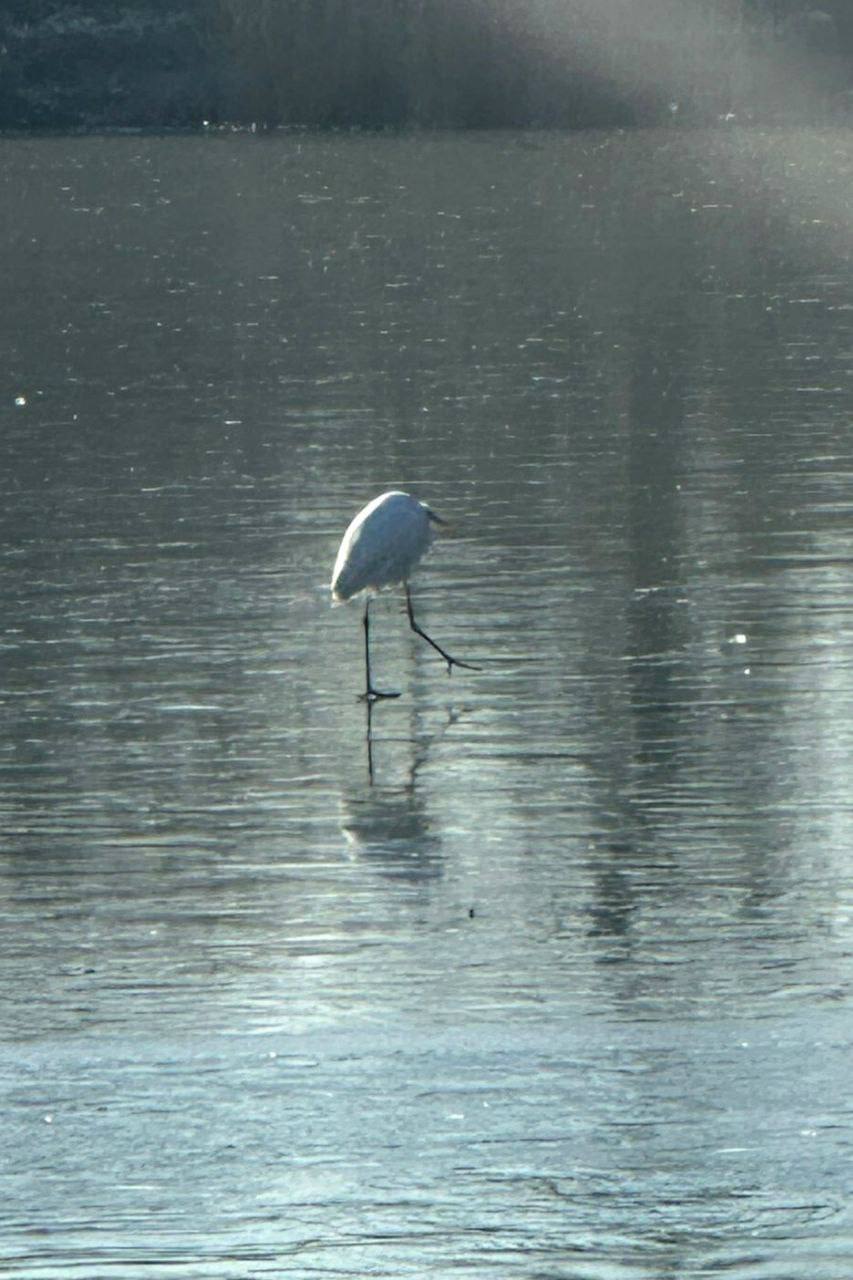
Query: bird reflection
point(394, 829)
point(391, 823)
point(419, 755)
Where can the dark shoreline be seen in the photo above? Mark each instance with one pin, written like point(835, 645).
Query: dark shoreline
point(142, 66)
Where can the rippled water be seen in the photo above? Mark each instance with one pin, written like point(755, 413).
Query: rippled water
point(564, 991)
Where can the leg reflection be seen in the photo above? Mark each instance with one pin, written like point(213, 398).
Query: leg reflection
point(420, 743)
point(368, 738)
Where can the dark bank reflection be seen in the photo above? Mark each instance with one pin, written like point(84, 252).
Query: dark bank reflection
point(656, 618)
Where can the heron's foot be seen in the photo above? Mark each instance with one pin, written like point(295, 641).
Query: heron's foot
point(457, 662)
point(373, 695)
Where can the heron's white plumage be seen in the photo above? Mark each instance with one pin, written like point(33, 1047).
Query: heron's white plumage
point(382, 545)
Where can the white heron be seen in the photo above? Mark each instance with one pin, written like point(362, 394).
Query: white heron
point(380, 549)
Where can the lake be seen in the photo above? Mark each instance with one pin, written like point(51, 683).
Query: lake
point(549, 976)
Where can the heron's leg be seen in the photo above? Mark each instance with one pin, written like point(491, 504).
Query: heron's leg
point(370, 694)
point(367, 645)
point(451, 662)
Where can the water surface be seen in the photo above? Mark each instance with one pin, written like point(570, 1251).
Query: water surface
point(564, 989)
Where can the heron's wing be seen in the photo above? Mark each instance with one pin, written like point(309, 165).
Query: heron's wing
point(381, 547)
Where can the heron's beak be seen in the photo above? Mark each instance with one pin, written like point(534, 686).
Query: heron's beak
point(446, 526)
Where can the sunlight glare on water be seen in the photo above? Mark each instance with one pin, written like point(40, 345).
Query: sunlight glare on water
point(563, 991)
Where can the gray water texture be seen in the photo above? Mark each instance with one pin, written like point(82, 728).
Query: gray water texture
point(562, 990)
